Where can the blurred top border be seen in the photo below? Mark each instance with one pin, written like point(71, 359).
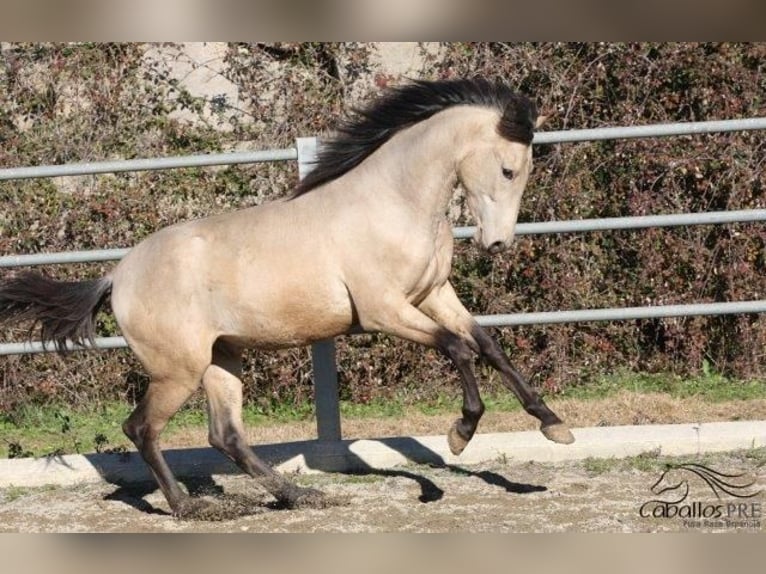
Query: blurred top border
point(381, 20)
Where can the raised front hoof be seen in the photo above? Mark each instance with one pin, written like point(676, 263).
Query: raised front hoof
point(456, 442)
point(198, 509)
point(559, 433)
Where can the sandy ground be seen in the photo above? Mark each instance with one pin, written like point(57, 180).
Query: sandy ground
point(494, 497)
point(498, 496)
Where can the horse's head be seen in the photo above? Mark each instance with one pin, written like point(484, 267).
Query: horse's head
point(495, 171)
point(673, 479)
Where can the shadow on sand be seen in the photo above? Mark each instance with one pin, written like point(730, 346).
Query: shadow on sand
point(196, 467)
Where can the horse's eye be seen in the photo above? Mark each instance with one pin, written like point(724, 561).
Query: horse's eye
point(507, 173)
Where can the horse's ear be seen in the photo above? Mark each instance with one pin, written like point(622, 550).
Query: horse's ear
point(541, 119)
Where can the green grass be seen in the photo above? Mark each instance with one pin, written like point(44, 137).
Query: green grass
point(708, 386)
point(377, 408)
point(13, 492)
point(644, 462)
point(653, 460)
point(61, 429)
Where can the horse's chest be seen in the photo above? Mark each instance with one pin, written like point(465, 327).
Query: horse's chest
point(436, 264)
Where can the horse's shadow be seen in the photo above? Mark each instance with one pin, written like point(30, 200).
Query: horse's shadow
point(430, 492)
point(134, 493)
point(335, 457)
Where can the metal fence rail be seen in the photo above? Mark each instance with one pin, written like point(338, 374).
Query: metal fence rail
point(650, 131)
point(537, 228)
point(551, 137)
point(323, 353)
point(498, 320)
point(202, 160)
point(623, 313)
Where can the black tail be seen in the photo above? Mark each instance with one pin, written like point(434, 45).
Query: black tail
point(64, 310)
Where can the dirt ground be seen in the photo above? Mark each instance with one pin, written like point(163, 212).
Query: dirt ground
point(588, 496)
point(497, 496)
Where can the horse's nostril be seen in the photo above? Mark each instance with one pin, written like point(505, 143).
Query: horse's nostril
point(496, 247)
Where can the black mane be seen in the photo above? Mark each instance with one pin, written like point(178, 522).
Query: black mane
point(369, 128)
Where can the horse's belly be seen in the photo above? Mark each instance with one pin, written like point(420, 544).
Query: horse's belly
point(287, 319)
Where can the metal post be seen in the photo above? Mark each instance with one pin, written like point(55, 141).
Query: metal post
point(326, 398)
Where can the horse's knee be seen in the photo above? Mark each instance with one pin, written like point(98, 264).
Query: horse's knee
point(461, 352)
point(455, 348)
point(129, 429)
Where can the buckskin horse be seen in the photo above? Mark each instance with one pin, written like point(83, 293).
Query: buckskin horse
point(362, 243)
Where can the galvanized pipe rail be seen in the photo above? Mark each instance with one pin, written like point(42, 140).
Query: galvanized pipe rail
point(650, 130)
point(550, 137)
point(499, 320)
point(148, 164)
point(323, 353)
point(536, 228)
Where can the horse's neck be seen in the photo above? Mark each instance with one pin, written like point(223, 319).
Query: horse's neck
point(420, 163)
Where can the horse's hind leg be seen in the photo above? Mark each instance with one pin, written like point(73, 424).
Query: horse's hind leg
point(164, 396)
point(224, 395)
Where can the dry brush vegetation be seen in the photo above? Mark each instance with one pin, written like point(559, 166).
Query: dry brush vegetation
point(89, 102)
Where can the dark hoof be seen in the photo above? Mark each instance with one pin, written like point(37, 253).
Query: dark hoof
point(456, 442)
point(559, 433)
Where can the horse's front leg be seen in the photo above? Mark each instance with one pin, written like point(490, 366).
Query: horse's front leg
point(550, 424)
point(446, 309)
point(408, 322)
point(460, 352)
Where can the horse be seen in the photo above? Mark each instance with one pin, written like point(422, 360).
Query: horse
point(363, 243)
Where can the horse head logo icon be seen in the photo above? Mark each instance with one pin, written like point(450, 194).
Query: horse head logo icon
point(674, 482)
